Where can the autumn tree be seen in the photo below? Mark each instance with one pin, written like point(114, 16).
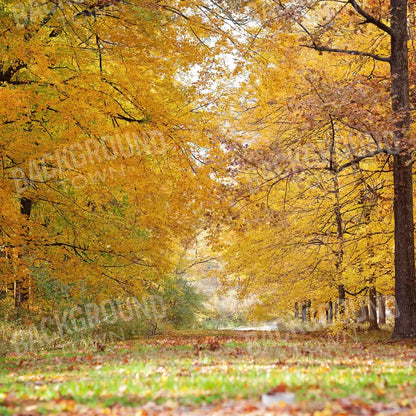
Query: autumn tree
point(339, 98)
point(99, 136)
point(401, 147)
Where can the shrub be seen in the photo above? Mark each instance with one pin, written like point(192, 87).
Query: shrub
point(183, 303)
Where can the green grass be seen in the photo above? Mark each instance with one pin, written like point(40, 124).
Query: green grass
point(191, 370)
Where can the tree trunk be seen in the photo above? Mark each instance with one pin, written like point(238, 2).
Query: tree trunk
point(341, 299)
point(304, 311)
point(309, 305)
point(329, 313)
point(21, 295)
point(372, 305)
point(25, 206)
point(404, 257)
point(362, 313)
point(381, 309)
point(296, 311)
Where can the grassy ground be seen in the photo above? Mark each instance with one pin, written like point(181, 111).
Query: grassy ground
point(222, 371)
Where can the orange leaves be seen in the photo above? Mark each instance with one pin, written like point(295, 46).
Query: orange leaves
point(210, 344)
point(281, 388)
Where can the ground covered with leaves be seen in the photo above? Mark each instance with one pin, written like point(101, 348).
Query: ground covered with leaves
point(216, 373)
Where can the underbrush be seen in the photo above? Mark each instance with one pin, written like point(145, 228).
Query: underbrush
point(26, 331)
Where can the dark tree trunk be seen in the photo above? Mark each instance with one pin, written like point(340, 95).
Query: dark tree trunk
point(404, 257)
point(329, 313)
point(341, 299)
point(304, 312)
point(381, 309)
point(296, 311)
point(21, 295)
point(372, 305)
point(405, 314)
point(26, 206)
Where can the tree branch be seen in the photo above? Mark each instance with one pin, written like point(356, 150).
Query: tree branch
point(130, 119)
point(358, 159)
point(369, 18)
point(94, 8)
point(349, 52)
point(356, 293)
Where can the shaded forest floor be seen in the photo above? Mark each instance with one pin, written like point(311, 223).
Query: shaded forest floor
point(215, 373)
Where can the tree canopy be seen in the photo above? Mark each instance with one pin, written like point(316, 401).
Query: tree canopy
point(281, 130)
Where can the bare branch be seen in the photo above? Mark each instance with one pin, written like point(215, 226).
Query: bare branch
point(349, 52)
